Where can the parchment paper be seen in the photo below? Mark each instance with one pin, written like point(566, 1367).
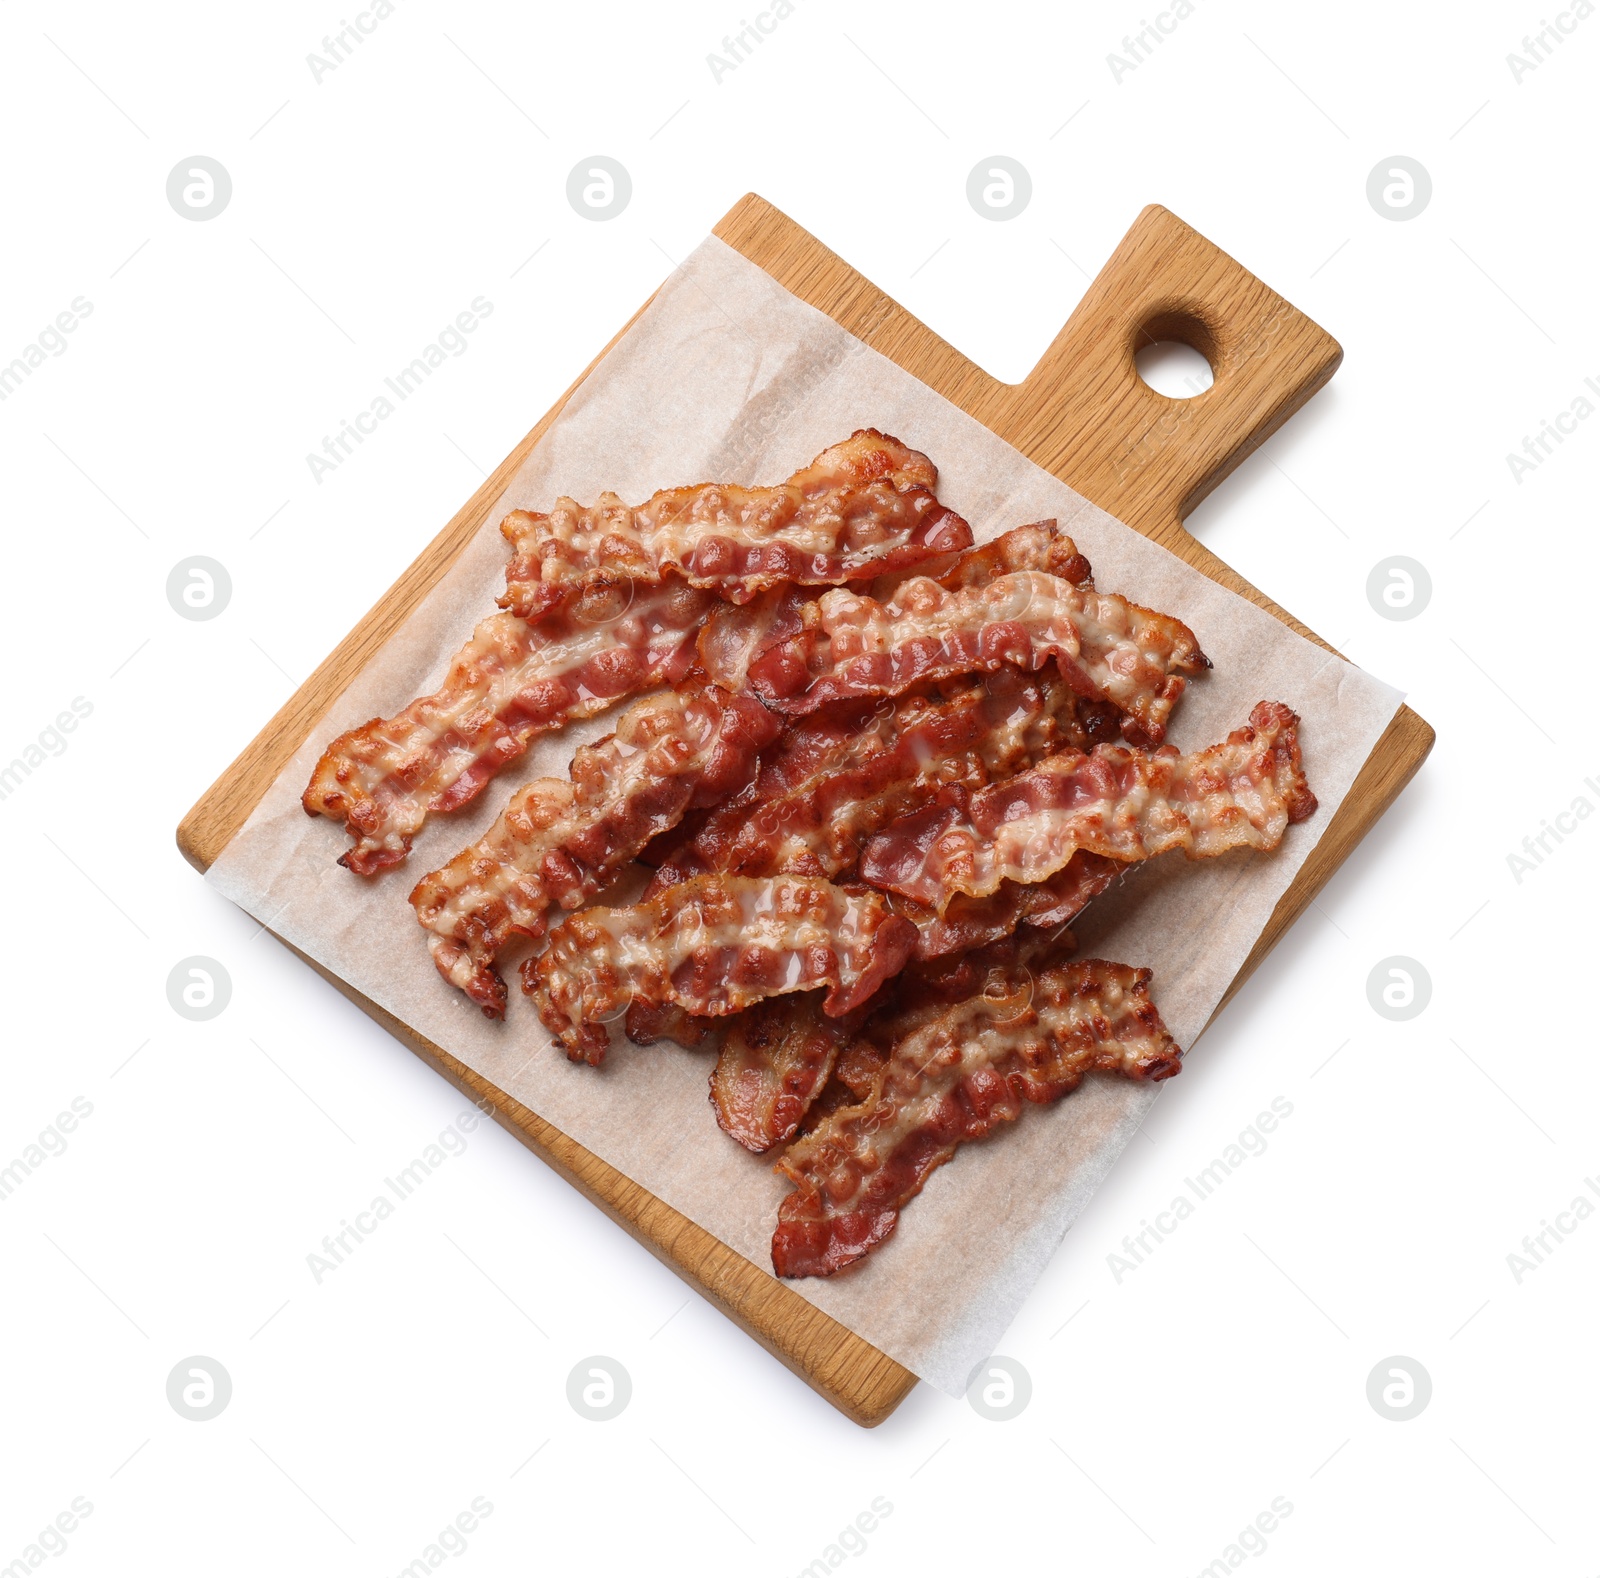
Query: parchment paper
point(728, 377)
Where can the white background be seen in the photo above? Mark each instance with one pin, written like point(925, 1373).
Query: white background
point(368, 209)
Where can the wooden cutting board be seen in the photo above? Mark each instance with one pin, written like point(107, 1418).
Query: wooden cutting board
point(1084, 414)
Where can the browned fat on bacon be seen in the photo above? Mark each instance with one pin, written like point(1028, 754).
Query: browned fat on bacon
point(514, 680)
point(1111, 650)
point(957, 1077)
point(713, 946)
point(1116, 801)
point(834, 779)
point(560, 840)
point(648, 1023)
point(861, 508)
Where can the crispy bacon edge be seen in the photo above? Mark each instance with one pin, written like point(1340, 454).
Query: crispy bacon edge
point(713, 946)
point(850, 646)
point(1119, 802)
point(560, 840)
point(512, 681)
point(863, 507)
point(957, 1077)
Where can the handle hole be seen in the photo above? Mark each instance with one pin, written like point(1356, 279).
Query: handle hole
point(1175, 355)
point(1173, 369)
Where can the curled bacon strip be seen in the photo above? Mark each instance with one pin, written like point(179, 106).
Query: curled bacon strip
point(1037, 547)
point(512, 681)
point(969, 923)
point(957, 1077)
point(559, 841)
point(861, 508)
point(735, 634)
point(713, 946)
point(774, 1060)
point(833, 780)
point(1122, 803)
point(1110, 649)
point(648, 1023)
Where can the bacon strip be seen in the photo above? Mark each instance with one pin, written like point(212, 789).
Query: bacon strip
point(1040, 546)
point(834, 780)
point(1109, 649)
point(969, 923)
point(1118, 802)
point(861, 508)
point(774, 1060)
point(648, 1023)
point(957, 1077)
point(559, 841)
point(713, 946)
point(512, 681)
point(735, 634)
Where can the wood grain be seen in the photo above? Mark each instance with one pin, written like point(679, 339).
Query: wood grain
point(1083, 414)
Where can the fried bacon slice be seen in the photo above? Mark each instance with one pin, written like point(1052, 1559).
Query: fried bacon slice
point(861, 508)
point(774, 1060)
point(1037, 547)
point(713, 946)
point(969, 923)
point(1119, 802)
point(1029, 1036)
point(1110, 649)
point(835, 778)
point(648, 1023)
point(737, 633)
point(514, 680)
point(560, 840)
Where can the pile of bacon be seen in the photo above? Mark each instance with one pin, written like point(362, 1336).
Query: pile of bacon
point(877, 771)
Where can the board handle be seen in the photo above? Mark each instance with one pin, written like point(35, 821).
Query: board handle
point(1146, 457)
